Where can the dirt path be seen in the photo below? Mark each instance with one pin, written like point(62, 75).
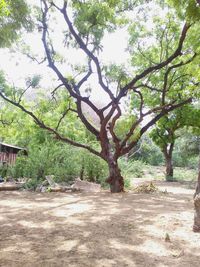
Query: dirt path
point(96, 230)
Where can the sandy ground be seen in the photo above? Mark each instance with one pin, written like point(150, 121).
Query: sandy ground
point(96, 230)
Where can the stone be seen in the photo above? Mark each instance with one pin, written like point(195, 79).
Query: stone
point(86, 186)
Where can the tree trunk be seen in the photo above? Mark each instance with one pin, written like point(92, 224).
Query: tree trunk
point(168, 150)
point(169, 168)
point(115, 179)
point(196, 226)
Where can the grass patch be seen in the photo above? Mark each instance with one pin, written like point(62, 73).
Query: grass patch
point(184, 174)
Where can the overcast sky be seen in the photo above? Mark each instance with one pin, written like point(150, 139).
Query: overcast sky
point(18, 67)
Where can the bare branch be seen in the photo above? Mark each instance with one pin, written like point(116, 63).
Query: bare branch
point(84, 47)
point(22, 94)
point(35, 59)
point(178, 65)
point(151, 69)
point(84, 79)
point(64, 115)
point(52, 64)
point(152, 88)
point(164, 110)
point(55, 89)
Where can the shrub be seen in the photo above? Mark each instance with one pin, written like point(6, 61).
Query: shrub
point(148, 152)
point(132, 168)
point(32, 184)
point(92, 168)
point(62, 161)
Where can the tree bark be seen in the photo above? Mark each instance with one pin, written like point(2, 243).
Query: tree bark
point(168, 162)
point(169, 168)
point(196, 226)
point(115, 179)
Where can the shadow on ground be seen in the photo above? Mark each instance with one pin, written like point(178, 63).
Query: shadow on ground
point(102, 229)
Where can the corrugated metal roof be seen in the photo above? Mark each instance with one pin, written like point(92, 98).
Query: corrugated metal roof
point(17, 147)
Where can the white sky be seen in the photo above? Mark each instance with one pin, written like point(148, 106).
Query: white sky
point(18, 67)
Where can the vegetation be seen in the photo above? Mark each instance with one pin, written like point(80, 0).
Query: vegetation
point(14, 16)
point(155, 81)
point(166, 132)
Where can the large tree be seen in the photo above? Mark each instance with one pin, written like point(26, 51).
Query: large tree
point(144, 83)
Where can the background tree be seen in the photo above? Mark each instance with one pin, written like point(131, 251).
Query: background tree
point(166, 132)
point(147, 83)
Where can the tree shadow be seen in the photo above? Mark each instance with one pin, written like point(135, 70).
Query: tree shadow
point(102, 229)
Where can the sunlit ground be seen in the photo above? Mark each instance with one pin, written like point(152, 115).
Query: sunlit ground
point(102, 229)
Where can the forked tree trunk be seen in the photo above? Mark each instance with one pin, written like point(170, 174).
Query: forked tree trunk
point(115, 179)
point(196, 226)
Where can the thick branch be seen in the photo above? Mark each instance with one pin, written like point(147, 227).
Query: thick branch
point(51, 130)
point(163, 112)
point(53, 66)
point(87, 124)
point(84, 47)
point(111, 127)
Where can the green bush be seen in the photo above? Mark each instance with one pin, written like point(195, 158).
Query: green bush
point(127, 183)
point(147, 152)
point(32, 184)
point(183, 174)
point(3, 171)
point(92, 168)
point(61, 160)
point(132, 168)
point(193, 162)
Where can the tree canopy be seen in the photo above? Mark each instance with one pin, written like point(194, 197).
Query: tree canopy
point(161, 74)
point(14, 15)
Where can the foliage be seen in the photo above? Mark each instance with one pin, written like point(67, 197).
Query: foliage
point(186, 151)
point(62, 161)
point(4, 8)
point(3, 171)
point(14, 15)
point(32, 184)
point(165, 131)
point(187, 8)
point(184, 174)
point(92, 168)
point(163, 51)
point(147, 152)
point(132, 168)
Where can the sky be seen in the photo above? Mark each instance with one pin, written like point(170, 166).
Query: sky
point(18, 67)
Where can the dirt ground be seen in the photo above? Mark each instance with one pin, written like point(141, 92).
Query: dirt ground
point(99, 229)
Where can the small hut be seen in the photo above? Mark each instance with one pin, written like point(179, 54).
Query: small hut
point(8, 153)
